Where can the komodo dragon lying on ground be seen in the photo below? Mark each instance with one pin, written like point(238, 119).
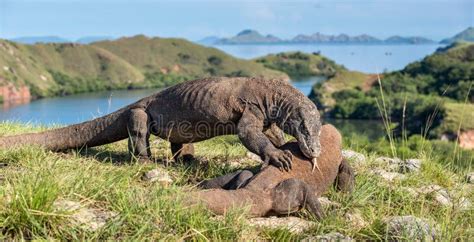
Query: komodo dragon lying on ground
point(198, 110)
point(272, 191)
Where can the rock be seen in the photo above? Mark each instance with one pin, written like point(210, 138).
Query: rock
point(157, 175)
point(410, 165)
point(443, 197)
point(293, 224)
point(235, 163)
point(470, 178)
point(464, 203)
point(429, 189)
point(439, 194)
point(391, 164)
point(326, 203)
point(389, 176)
point(410, 191)
point(330, 237)
point(253, 156)
point(353, 156)
point(356, 220)
point(388, 160)
point(410, 228)
point(90, 219)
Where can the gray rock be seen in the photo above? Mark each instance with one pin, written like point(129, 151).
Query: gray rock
point(330, 237)
point(410, 191)
point(326, 203)
point(90, 219)
point(410, 165)
point(390, 164)
point(470, 178)
point(410, 228)
point(157, 175)
point(443, 197)
point(388, 176)
point(464, 203)
point(430, 189)
point(355, 219)
point(388, 160)
point(253, 156)
point(353, 156)
point(440, 194)
point(293, 224)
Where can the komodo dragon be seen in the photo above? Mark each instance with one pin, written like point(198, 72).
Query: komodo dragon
point(272, 191)
point(198, 110)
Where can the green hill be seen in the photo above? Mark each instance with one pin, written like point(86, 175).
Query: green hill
point(465, 36)
point(134, 62)
point(299, 64)
point(434, 85)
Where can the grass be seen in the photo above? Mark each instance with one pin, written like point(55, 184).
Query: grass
point(106, 178)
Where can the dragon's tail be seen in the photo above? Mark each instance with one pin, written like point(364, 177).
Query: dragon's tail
point(103, 130)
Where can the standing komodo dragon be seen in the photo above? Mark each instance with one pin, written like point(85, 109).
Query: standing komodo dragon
point(198, 110)
point(272, 191)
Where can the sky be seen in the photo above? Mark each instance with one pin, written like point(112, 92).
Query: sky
point(72, 19)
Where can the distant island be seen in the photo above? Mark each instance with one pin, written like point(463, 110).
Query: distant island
point(250, 36)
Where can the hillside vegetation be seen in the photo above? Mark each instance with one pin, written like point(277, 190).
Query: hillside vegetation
point(299, 64)
point(132, 62)
point(421, 96)
point(465, 36)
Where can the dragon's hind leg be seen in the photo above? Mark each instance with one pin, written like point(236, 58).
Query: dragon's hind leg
point(345, 179)
point(182, 152)
point(292, 194)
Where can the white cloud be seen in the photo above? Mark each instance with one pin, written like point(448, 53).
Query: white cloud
point(259, 11)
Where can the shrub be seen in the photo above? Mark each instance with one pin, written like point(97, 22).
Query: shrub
point(184, 57)
point(238, 73)
point(214, 60)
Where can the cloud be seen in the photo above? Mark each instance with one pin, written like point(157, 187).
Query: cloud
point(260, 11)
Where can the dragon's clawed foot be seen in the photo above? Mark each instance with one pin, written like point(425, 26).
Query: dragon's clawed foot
point(279, 158)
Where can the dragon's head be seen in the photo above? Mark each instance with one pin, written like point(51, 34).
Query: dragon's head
point(304, 124)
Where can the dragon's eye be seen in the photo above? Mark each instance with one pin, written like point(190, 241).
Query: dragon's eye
point(304, 131)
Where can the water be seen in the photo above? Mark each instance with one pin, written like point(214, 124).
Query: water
point(78, 108)
point(305, 84)
point(365, 58)
point(73, 109)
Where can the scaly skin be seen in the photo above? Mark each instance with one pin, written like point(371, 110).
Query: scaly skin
point(273, 192)
point(253, 108)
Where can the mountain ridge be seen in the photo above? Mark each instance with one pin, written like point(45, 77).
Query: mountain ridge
point(249, 36)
